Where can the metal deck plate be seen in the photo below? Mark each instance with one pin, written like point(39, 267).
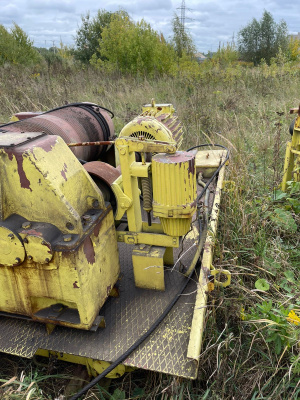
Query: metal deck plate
point(127, 318)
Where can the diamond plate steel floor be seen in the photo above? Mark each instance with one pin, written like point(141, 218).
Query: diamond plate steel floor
point(127, 318)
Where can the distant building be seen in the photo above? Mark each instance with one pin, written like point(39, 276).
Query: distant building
point(294, 37)
point(200, 57)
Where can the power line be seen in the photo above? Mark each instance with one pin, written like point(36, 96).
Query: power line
point(183, 17)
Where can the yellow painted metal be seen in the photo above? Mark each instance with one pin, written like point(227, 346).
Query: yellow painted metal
point(164, 113)
point(292, 157)
point(154, 228)
point(41, 177)
point(131, 171)
point(94, 367)
point(38, 250)
point(148, 127)
point(208, 161)
point(198, 323)
point(153, 239)
point(130, 185)
point(174, 191)
point(158, 108)
point(148, 267)
point(56, 193)
point(215, 272)
point(123, 201)
point(12, 249)
point(139, 169)
point(128, 197)
point(71, 279)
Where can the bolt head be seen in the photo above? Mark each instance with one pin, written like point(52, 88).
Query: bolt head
point(67, 238)
point(95, 204)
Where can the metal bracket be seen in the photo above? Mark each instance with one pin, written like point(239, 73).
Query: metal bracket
point(214, 272)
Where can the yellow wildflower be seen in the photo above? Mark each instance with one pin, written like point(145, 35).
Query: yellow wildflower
point(293, 318)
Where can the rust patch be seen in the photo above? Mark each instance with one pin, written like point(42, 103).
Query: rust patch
point(75, 286)
point(63, 172)
point(32, 232)
point(89, 251)
point(191, 167)
point(97, 229)
point(24, 181)
point(108, 289)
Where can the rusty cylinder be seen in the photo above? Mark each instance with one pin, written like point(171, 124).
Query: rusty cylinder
point(79, 122)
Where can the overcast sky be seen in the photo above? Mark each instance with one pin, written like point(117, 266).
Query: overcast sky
point(211, 21)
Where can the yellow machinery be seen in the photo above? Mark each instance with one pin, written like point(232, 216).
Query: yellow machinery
point(99, 231)
point(292, 155)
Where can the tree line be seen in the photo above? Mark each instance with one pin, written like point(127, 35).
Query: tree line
point(113, 41)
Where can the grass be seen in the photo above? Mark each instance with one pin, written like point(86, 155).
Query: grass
point(251, 348)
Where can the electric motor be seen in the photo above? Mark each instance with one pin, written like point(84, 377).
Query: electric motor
point(174, 191)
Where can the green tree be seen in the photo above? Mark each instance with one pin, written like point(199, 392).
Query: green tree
point(89, 33)
point(16, 47)
point(182, 40)
point(133, 47)
point(262, 39)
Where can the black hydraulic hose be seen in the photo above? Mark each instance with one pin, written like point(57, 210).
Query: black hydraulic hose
point(79, 105)
point(101, 120)
point(217, 170)
point(138, 342)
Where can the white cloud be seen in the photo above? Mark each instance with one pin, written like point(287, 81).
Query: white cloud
point(212, 20)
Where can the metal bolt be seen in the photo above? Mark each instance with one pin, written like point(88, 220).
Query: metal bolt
point(69, 226)
point(26, 225)
point(29, 258)
point(11, 236)
point(123, 152)
point(67, 238)
point(18, 260)
point(44, 243)
point(25, 240)
point(86, 217)
point(47, 260)
point(95, 204)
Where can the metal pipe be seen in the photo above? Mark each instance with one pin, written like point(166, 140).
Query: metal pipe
point(102, 143)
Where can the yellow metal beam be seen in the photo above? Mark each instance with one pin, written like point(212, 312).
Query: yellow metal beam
point(94, 367)
point(197, 328)
point(154, 239)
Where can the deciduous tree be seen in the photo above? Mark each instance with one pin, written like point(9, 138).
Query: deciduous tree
point(134, 47)
point(182, 40)
point(89, 33)
point(16, 47)
point(262, 39)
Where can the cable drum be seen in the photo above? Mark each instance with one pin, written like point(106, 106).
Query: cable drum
point(74, 123)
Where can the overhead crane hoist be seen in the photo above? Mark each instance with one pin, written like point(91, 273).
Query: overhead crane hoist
point(100, 235)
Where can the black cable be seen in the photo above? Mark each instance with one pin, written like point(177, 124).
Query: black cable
point(80, 104)
point(101, 120)
point(217, 170)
